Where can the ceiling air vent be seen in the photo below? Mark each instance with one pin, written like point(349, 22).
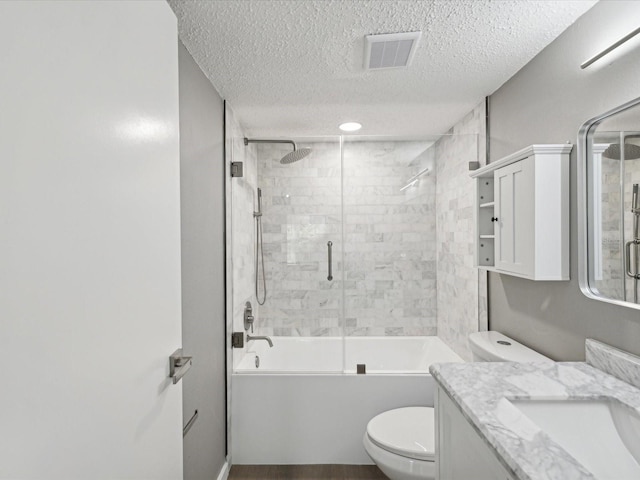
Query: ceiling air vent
point(390, 50)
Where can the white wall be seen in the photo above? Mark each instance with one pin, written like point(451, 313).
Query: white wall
point(89, 241)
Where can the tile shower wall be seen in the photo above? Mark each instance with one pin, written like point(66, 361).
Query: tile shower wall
point(610, 280)
point(462, 298)
point(389, 240)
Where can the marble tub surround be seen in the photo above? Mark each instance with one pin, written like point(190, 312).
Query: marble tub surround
point(301, 206)
point(384, 233)
point(482, 392)
point(613, 361)
point(389, 238)
point(398, 212)
point(461, 288)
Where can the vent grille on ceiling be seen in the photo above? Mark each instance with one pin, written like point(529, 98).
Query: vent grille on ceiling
point(390, 50)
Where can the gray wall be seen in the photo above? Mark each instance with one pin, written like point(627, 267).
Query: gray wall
point(546, 102)
point(203, 267)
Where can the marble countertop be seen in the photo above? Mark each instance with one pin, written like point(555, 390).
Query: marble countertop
point(482, 392)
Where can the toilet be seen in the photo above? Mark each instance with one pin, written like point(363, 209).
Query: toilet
point(402, 441)
point(496, 347)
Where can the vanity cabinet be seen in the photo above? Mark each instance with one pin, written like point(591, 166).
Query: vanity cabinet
point(461, 454)
point(522, 213)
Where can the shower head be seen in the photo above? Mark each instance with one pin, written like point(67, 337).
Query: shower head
point(631, 151)
point(297, 154)
point(289, 157)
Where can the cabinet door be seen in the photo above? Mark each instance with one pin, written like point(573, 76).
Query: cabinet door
point(461, 453)
point(514, 210)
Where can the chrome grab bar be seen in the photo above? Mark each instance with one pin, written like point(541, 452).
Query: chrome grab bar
point(329, 245)
point(178, 365)
point(627, 247)
point(190, 423)
point(635, 209)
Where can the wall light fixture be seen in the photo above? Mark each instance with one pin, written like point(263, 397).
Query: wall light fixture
point(609, 49)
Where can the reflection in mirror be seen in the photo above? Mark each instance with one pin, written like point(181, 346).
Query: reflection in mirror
point(619, 212)
point(611, 154)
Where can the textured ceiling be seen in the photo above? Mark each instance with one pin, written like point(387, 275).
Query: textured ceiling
point(295, 67)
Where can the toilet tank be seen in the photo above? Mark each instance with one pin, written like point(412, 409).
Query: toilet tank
point(496, 347)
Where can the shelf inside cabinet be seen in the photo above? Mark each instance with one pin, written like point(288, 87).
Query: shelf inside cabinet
point(487, 205)
point(485, 192)
point(487, 236)
point(485, 227)
point(486, 251)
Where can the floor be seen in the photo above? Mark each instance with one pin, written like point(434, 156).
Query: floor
point(305, 472)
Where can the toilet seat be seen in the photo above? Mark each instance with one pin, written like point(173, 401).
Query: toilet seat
point(408, 431)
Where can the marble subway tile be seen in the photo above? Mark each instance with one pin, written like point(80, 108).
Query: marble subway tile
point(461, 297)
point(391, 252)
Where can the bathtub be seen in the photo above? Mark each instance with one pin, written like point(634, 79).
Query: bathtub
point(302, 402)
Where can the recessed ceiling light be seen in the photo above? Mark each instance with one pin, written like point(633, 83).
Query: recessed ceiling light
point(350, 127)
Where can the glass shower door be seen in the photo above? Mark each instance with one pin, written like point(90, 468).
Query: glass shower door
point(390, 246)
point(302, 233)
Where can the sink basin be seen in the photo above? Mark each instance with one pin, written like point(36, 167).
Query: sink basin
point(603, 435)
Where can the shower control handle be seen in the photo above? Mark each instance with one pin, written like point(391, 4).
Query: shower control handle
point(248, 316)
point(329, 246)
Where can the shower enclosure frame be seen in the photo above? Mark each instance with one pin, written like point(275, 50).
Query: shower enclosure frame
point(408, 184)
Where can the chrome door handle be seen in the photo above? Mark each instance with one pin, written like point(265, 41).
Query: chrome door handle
point(329, 246)
point(178, 365)
point(627, 248)
point(627, 258)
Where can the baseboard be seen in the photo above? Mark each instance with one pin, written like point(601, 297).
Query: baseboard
point(224, 471)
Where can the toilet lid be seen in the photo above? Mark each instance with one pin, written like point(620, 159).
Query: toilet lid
point(408, 431)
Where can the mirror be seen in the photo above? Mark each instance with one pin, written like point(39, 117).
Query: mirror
point(609, 206)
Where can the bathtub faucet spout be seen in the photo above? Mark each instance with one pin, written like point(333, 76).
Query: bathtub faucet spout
point(251, 337)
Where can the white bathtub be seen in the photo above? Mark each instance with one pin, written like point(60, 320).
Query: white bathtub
point(383, 355)
point(301, 406)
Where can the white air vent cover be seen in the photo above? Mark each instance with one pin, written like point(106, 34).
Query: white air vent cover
point(390, 50)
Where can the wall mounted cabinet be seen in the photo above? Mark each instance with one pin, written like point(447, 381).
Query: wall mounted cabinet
point(522, 213)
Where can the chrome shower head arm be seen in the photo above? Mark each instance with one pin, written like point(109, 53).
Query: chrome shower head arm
point(290, 157)
point(247, 141)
